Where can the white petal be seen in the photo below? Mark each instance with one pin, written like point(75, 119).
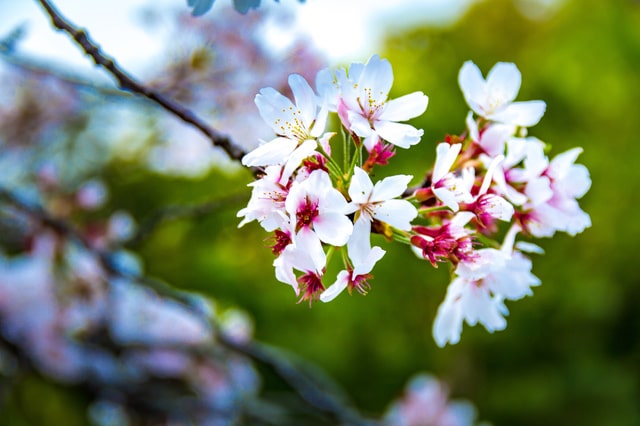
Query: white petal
point(361, 187)
point(576, 183)
point(304, 97)
point(528, 247)
point(272, 153)
point(447, 326)
point(273, 107)
point(336, 288)
point(472, 84)
point(362, 256)
point(562, 162)
point(295, 159)
point(524, 114)
point(447, 197)
point(494, 138)
point(405, 107)
point(359, 125)
point(284, 272)
point(311, 256)
point(399, 134)
point(503, 81)
point(377, 75)
point(539, 190)
point(333, 228)
point(397, 213)
point(445, 157)
point(390, 187)
point(499, 208)
point(472, 125)
point(320, 123)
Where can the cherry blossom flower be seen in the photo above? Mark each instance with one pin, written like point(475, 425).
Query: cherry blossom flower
point(554, 206)
point(315, 204)
point(493, 98)
point(365, 109)
point(378, 203)
point(363, 258)
point(297, 126)
point(478, 292)
point(267, 202)
point(304, 254)
point(489, 206)
point(492, 138)
point(446, 186)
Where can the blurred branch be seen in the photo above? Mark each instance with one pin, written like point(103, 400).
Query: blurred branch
point(315, 389)
point(169, 213)
point(107, 260)
point(40, 69)
point(8, 52)
point(128, 83)
point(306, 385)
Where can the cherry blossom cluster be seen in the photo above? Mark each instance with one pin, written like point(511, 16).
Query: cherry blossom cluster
point(317, 202)
point(315, 206)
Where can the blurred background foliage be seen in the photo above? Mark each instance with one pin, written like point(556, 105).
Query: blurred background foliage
point(569, 356)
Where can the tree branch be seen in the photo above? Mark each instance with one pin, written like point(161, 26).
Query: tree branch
point(128, 83)
point(318, 393)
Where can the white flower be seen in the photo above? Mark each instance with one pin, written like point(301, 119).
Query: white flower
point(363, 258)
point(493, 138)
point(316, 204)
point(487, 205)
point(304, 254)
point(369, 113)
point(266, 204)
point(493, 98)
point(554, 206)
point(298, 127)
point(446, 186)
point(377, 202)
point(478, 292)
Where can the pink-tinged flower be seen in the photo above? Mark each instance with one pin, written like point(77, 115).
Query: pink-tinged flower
point(489, 206)
point(553, 197)
point(511, 179)
point(314, 204)
point(267, 202)
point(492, 138)
point(478, 292)
point(449, 242)
point(364, 108)
point(304, 254)
point(363, 258)
point(426, 403)
point(377, 202)
point(298, 126)
point(446, 186)
point(493, 98)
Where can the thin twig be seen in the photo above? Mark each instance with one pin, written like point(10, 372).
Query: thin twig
point(128, 83)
